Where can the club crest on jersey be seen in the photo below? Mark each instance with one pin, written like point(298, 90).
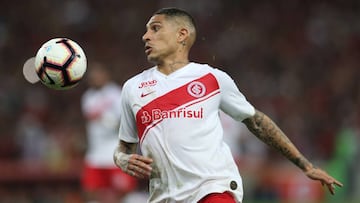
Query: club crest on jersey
point(196, 89)
point(149, 83)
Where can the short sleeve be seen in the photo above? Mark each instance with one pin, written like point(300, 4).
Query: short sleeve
point(233, 102)
point(128, 130)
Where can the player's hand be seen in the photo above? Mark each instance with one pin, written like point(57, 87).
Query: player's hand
point(325, 179)
point(134, 164)
point(139, 166)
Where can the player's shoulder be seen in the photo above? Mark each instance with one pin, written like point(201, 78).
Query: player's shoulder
point(216, 71)
point(202, 66)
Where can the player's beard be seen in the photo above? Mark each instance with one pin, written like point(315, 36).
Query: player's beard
point(158, 56)
point(154, 59)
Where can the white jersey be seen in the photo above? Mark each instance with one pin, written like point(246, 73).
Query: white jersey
point(175, 119)
point(101, 108)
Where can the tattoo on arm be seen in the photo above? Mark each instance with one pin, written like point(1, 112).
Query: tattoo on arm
point(127, 148)
point(267, 131)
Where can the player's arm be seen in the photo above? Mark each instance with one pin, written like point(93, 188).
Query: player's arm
point(125, 157)
point(267, 131)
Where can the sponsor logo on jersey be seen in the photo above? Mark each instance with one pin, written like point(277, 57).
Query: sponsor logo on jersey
point(158, 114)
point(149, 83)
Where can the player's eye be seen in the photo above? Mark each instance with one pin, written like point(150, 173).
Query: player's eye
point(155, 28)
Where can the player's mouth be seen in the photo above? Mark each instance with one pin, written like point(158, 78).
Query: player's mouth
point(148, 49)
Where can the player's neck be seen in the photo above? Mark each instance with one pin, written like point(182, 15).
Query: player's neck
point(169, 67)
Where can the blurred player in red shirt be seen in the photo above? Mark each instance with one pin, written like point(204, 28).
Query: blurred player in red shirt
point(102, 180)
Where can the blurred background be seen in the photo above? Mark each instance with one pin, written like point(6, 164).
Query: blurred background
point(296, 60)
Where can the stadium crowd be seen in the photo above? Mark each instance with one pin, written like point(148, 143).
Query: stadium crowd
point(296, 60)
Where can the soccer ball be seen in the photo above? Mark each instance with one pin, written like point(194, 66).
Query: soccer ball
point(60, 63)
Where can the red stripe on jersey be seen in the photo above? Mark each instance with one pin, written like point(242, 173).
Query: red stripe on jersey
point(172, 100)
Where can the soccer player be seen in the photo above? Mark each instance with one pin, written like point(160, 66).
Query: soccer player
point(102, 181)
point(172, 112)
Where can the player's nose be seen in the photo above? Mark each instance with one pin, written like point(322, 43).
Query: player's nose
point(145, 37)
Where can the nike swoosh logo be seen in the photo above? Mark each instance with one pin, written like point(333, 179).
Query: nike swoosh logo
point(146, 94)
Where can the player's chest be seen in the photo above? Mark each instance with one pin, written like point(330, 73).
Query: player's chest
point(173, 92)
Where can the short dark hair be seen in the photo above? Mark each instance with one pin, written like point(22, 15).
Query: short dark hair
point(176, 12)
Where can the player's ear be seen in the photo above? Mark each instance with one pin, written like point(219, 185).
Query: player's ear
point(183, 35)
